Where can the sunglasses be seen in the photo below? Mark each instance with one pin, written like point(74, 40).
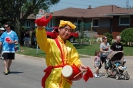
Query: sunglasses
point(105, 38)
point(5, 27)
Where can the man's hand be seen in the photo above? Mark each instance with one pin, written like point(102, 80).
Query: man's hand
point(43, 21)
point(83, 68)
point(11, 42)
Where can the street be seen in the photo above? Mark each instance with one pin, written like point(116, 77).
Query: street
point(27, 72)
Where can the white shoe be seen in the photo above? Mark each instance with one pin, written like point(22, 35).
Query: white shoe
point(98, 75)
point(95, 75)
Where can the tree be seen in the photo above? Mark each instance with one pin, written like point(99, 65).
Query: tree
point(127, 36)
point(12, 9)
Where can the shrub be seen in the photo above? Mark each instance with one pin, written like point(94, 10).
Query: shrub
point(23, 28)
point(110, 37)
point(127, 35)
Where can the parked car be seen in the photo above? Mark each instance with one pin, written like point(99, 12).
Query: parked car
point(52, 32)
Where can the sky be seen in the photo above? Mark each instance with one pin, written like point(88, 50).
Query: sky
point(85, 3)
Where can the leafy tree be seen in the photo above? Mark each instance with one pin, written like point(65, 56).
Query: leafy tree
point(127, 35)
point(12, 9)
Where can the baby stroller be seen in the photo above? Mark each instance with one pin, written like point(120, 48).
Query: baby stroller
point(116, 66)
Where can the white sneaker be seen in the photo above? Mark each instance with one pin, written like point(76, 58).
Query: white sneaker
point(95, 75)
point(98, 75)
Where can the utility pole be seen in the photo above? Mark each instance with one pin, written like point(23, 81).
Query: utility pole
point(127, 4)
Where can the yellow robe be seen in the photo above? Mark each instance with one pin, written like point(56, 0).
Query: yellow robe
point(53, 58)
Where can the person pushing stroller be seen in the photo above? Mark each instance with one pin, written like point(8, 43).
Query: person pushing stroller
point(117, 46)
point(104, 49)
point(116, 61)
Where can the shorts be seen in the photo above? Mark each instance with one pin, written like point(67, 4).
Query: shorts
point(8, 56)
point(99, 65)
point(103, 59)
point(27, 39)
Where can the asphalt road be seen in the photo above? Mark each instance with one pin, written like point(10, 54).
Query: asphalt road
point(26, 72)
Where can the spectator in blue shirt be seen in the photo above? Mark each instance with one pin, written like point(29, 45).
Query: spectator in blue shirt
point(8, 40)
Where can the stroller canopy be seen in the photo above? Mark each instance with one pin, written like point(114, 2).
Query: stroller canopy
point(115, 55)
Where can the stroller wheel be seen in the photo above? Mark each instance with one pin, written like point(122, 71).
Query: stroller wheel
point(126, 76)
point(117, 76)
point(106, 75)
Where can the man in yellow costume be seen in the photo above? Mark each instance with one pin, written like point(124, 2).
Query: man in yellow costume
point(59, 52)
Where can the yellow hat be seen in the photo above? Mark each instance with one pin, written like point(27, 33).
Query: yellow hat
point(63, 23)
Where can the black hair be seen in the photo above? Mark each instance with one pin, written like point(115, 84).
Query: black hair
point(7, 24)
point(63, 26)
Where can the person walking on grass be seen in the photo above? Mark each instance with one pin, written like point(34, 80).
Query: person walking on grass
point(97, 63)
point(8, 40)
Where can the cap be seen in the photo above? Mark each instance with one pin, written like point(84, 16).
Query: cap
point(2, 29)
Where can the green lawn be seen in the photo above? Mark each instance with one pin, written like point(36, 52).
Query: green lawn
point(31, 52)
point(87, 49)
point(82, 49)
point(90, 49)
point(128, 51)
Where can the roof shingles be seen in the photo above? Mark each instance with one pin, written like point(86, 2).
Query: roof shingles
point(100, 11)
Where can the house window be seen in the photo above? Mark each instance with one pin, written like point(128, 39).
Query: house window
point(125, 20)
point(95, 22)
point(79, 21)
point(28, 24)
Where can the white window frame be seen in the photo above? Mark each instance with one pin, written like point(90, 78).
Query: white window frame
point(124, 17)
point(28, 24)
point(93, 21)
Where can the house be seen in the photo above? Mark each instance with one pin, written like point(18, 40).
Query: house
point(96, 16)
point(121, 20)
point(101, 19)
point(30, 21)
